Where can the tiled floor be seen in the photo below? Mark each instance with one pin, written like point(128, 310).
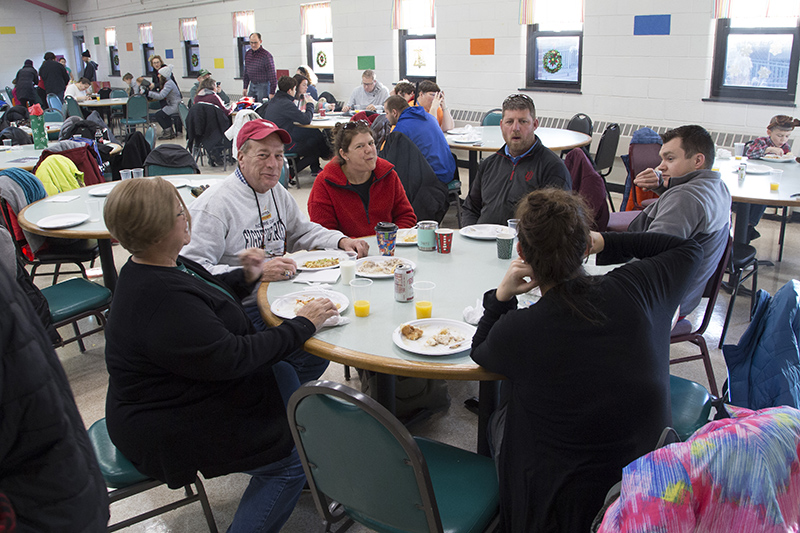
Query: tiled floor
point(457, 426)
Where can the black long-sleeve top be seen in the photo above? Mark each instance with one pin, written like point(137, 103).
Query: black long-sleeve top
point(191, 385)
point(584, 399)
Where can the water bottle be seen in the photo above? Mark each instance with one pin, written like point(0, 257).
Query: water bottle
point(98, 136)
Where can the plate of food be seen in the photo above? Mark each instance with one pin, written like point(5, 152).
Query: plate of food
point(406, 237)
point(320, 119)
point(755, 168)
point(466, 139)
point(434, 336)
point(102, 190)
point(288, 305)
point(66, 220)
point(775, 158)
point(318, 259)
point(483, 232)
point(380, 266)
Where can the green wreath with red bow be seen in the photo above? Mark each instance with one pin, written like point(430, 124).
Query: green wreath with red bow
point(552, 61)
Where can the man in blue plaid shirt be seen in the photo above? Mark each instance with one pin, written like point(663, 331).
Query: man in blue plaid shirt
point(259, 71)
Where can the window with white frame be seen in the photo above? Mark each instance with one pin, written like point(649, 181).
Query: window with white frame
point(113, 51)
point(148, 49)
point(318, 28)
point(415, 21)
point(244, 24)
point(756, 51)
point(554, 43)
point(191, 47)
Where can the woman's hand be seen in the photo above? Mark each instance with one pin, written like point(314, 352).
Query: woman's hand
point(278, 269)
point(514, 281)
point(252, 260)
point(597, 244)
point(318, 311)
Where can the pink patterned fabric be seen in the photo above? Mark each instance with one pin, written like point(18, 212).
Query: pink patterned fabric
point(735, 475)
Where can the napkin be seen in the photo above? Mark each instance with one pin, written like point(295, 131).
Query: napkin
point(337, 320)
point(319, 276)
point(722, 153)
point(63, 198)
point(472, 315)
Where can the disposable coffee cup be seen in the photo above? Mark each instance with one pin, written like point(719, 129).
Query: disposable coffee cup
point(125, 174)
point(387, 237)
point(444, 240)
point(505, 243)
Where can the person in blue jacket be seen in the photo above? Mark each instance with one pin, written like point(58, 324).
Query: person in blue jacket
point(424, 131)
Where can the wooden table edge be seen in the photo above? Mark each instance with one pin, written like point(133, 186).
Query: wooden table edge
point(386, 365)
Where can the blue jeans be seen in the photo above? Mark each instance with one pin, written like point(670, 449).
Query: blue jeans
point(308, 367)
point(274, 489)
point(259, 91)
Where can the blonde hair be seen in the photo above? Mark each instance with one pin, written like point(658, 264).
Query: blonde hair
point(141, 212)
point(306, 71)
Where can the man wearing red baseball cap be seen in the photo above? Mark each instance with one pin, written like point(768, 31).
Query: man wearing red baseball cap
point(250, 210)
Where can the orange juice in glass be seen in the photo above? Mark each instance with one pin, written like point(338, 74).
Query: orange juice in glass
point(423, 298)
point(361, 289)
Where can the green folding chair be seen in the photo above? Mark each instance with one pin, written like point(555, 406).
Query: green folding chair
point(136, 113)
point(691, 406)
point(492, 117)
point(76, 299)
point(158, 170)
point(73, 109)
point(363, 465)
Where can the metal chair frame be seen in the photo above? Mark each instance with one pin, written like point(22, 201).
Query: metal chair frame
point(736, 280)
point(606, 154)
point(696, 337)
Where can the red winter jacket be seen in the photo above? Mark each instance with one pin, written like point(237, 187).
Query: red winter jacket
point(335, 205)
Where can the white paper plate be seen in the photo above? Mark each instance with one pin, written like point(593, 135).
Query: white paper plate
point(483, 232)
point(178, 182)
point(102, 190)
point(302, 257)
point(284, 306)
point(459, 131)
point(406, 237)
point(788, 158)
point(320, 119)
point(433, 326)
point(67, 220)
point(380, 259)
point(465, 139)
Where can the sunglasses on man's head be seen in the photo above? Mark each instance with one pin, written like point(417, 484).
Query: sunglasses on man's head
point(355, 123)
point(517, 97)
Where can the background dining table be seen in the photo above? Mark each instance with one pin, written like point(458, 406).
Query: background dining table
point(461, 278)
point(76, 202)
point(25, 156)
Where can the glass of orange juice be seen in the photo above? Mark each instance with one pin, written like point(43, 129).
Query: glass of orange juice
point(775, 176)
point(361, 289)
point(423, 298)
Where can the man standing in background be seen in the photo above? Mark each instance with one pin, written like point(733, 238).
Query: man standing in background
point(90, 71)
point(54, 75)
point(259, 71)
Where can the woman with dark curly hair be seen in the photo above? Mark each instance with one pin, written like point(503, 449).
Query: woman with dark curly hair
point(587, 365)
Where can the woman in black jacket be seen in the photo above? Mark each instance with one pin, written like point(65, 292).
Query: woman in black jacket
point(192, 385)
point(26, 81)
point(587, 365)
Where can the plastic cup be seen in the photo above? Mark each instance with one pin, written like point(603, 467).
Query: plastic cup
point(505, 243)
point(423, 298)
point(512, 224)
point(137, 172)
point(387, 237)
point(7, 142)
point(125, 174)
point(426, 235)
point(361, 289)
point(347, 267)
point(95, 208)
point(738, 149)
point(775, 176)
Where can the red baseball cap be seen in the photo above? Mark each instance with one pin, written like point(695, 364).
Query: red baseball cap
point(260, 129)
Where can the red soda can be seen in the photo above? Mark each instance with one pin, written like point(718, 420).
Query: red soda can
point(403, 281)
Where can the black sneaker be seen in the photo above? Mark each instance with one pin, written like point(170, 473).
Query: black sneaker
point(752, 233)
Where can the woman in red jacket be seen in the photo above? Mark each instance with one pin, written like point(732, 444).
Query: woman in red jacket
point(357, 189)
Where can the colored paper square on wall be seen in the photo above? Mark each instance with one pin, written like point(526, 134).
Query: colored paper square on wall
point(8, 30)
point(129, 47)
point(365, 62)
point(281, 72)
point(481, 47)
point(219, 63)
point(168, 53)
point(651, 24)
point(97, 40)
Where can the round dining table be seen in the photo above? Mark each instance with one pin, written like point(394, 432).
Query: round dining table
point(755, 189)
point(461, 278)
point(103, 102)
point(490, 139)
point(76, 202)
point(26, 156)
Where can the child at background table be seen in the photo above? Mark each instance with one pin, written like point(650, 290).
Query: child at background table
point(778, 132)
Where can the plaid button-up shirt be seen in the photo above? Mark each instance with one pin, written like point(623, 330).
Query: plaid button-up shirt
point(259, 67)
